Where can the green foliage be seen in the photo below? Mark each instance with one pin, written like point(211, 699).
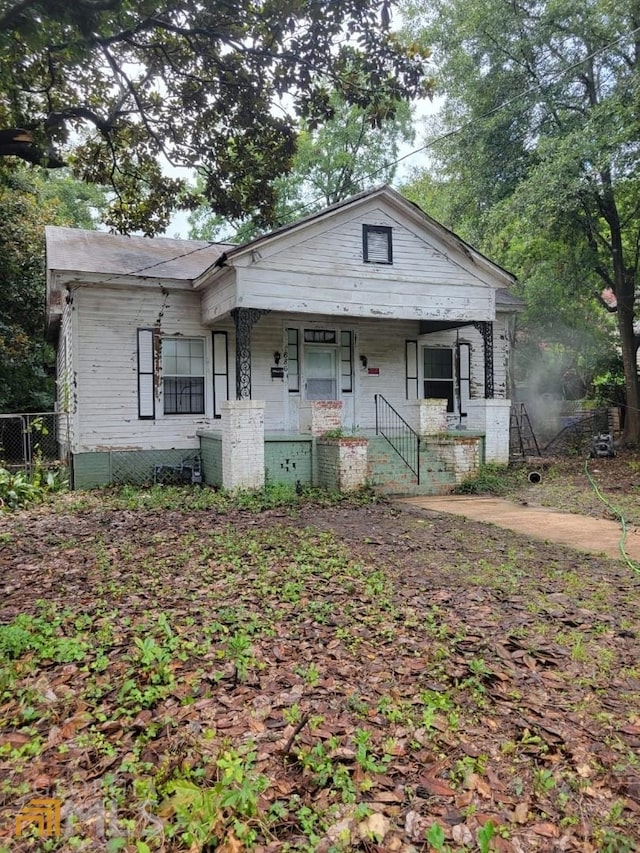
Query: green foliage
point(204, 816)
point(29, 202)
point(484, 836)
point(41, 636)
point(435, 837)
point(212, 85)
point(490, 479)
point(18, 490)
point(539, 154)
point(608, 386)
point(186, 498)
point(330, 164)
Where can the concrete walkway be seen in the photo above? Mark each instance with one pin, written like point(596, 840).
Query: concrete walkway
point(598, 536)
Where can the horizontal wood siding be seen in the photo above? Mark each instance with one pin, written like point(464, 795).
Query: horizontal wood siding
point(105, 353)
point(266, 339)
point(106, 357)
point(383, 344)
point(501, 350)
point(324, 272)
point(220, 298)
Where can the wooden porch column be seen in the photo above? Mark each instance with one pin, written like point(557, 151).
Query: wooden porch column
point(244, 320)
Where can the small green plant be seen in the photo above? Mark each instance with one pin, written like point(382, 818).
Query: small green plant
point(310, 673)
point(19, 490)
point(204, 816)
point(489, 479)
point(240, 652)
point(543, 781)
point(338, 432)
point(435, 837)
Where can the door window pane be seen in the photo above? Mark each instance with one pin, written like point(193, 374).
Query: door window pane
point(438, 375)
point(320, 374)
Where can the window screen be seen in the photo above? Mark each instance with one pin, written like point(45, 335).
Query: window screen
point(183, 376)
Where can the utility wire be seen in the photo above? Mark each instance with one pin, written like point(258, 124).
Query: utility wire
point(453, 132)
point(487, 114)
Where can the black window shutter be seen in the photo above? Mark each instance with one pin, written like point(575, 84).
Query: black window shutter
point(146, 395)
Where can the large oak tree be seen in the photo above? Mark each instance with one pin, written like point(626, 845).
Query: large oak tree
point(29, 200)
point(212, 84)
point(541, 134)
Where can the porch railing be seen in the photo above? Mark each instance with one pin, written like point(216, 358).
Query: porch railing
point(405, 441)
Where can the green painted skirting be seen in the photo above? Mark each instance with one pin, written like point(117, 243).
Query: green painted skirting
point(95, 469)
point(211, 453)
point(288, 460)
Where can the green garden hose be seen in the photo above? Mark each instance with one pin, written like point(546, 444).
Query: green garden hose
point(623, 522)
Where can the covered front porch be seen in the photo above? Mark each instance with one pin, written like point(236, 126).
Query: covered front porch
point(291, 361)
point(428, 460)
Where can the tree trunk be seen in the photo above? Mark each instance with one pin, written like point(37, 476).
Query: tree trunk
point(624, 279)
point(631, 433)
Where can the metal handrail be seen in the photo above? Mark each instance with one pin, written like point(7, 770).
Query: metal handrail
point(403, 439)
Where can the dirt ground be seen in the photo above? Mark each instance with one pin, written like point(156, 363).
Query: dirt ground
point(564, 485)
point(453, 680)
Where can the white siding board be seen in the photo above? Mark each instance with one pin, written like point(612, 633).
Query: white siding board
point(284, 291)
point(418, 250)
point(106, 351)
point(320, 269)
point(65, 379)
point(267, 338)
point(219, 298)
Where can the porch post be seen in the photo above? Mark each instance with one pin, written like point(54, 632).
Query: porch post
point(244, 320)
point(486, 330)
point(242, 444)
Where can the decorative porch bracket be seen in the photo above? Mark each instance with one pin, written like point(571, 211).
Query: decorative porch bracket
point(486, 330)
point(244, 320)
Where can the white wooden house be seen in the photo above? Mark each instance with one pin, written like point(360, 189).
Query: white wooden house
point(170, 347)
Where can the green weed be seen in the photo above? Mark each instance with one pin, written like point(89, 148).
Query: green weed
point(490, 479)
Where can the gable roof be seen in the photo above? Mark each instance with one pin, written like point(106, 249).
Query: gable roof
point(392, 197)
point(98, 252)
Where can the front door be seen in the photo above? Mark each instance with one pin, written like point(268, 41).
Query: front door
point(320, 374)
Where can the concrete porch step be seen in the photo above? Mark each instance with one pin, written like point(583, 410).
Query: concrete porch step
point(389, 475)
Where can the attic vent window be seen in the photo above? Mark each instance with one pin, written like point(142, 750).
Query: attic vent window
point(377, 247)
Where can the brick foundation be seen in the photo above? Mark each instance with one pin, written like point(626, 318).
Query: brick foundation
point(432, 417)
point(342, 463)
point(491, 417)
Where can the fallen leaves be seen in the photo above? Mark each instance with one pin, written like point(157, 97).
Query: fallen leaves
point(460, 656)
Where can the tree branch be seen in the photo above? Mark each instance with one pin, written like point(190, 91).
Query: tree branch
point(7, 20)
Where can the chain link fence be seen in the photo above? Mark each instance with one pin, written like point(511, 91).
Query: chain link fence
point(577, 433)
point(34, 439)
